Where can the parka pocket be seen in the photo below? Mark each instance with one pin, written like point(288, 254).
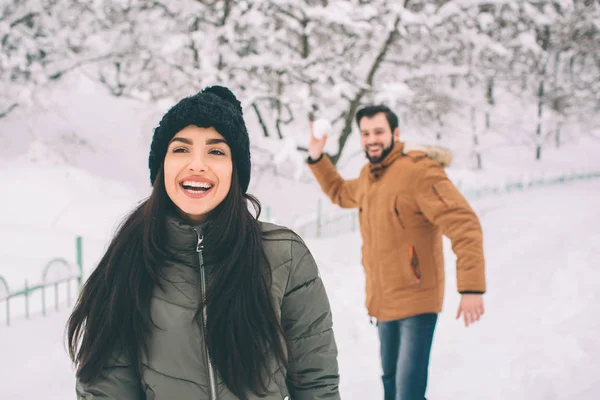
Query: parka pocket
point(414, 264)
point(362, 221)
point(401, 211)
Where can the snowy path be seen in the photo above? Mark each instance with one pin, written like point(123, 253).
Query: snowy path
point(538, 339)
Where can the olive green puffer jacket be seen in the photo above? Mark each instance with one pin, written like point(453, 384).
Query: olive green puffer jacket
point(178, 367)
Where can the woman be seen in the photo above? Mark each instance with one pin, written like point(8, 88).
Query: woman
point(195, 298)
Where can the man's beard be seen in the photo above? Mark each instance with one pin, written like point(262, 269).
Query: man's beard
point(380, 158)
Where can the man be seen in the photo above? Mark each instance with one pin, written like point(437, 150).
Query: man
point(405, 203)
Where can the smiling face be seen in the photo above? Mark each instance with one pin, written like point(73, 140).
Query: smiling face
point(376, 137)
point(197, 169)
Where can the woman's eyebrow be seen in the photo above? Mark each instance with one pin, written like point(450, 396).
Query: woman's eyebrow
point(182, 140)
point(215, 141)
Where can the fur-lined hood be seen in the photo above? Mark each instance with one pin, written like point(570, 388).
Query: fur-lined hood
point(436, 153)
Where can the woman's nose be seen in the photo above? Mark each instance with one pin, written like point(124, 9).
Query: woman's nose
point(197, 163)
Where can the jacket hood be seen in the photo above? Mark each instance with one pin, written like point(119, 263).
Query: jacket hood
point(436, 153)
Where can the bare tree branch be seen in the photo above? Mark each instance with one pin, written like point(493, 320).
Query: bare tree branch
point(289, 46)
point(226, 12)
point(27, 19)
point(261, 121)
point(288, 13)
point(80, 63)
point(8, 110)
point(170, 13)
point(353, 106)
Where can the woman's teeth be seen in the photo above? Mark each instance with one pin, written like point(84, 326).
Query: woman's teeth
point(196, 186)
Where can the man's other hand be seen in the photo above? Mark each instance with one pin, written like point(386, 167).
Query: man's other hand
point(471, 308)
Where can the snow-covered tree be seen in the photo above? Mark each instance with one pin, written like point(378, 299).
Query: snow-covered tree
point(440, 63)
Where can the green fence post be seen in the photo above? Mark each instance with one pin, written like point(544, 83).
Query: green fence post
point(79, 246)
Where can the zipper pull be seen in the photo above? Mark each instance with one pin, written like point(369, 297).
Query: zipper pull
point(200, 245)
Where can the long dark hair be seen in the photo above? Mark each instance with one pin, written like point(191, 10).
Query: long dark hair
point(112, 313)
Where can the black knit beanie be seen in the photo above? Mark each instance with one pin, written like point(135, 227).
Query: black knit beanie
point(214, 106)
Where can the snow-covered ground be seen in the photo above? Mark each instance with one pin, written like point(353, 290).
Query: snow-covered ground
point(48, 207)
point(538, 339)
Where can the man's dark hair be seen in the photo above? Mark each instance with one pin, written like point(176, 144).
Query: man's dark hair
point(370, 111)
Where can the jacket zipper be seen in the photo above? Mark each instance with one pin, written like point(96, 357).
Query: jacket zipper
point(211, 371)
point(378, 272)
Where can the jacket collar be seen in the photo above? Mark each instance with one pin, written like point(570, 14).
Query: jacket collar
point(182, 237)
point(377, 170)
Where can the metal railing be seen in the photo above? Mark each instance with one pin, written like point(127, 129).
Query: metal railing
point(27, 292)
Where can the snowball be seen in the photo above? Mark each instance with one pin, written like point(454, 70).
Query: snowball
point(320, 127)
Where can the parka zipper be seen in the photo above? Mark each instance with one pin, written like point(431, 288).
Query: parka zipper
point(211, 370)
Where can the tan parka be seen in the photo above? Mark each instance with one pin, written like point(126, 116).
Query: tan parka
point(405, 204)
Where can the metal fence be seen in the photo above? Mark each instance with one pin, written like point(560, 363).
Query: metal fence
point(73, 276)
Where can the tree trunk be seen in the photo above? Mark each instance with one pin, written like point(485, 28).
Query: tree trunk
point(571, 64)
point(261, 121)
point(490, 92)
point(279, 94)
point(475, 140)
point(226, 12)
point(304, 40)
point(545, 43)
point(353, 106)
point(538, 147)
point(556, 67)
point(478, 154)
point(490, 100)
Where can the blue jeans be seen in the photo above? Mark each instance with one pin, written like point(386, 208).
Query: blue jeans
point(405, 347)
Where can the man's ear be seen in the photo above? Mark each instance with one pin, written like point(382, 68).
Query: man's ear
point(397, 134)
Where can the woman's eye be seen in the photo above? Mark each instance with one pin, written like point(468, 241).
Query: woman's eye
point(217, 152)
point(179, 150)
